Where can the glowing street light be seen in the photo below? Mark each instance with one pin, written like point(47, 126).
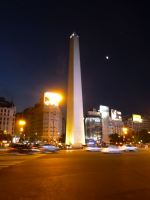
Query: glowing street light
point(21, 129)
point(22, 122)
point(125, 130)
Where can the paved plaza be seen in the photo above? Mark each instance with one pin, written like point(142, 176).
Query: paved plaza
point(75, 175)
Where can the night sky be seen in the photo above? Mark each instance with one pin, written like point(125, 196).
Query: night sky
point(34, 42)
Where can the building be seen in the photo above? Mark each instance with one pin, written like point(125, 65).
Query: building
point(93, 126)
point(137, 122)
point(75, 133)
point(52, 123)
point(104, 112)
point(115, 127)
point(43, 121)
point(7, 116)
point(146, 123)
point(34, 121)
point(115, 123)
point(111, 123)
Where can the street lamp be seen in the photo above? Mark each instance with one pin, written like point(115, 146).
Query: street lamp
point(125, 132)
point(21, 124)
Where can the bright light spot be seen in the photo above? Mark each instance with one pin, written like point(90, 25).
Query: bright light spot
point(137, 118)
point(21, 129)
point(125, 130)
point(22, 122)
point(73, 35)
point(107, 57)
point(15, 139)
point(51, 98)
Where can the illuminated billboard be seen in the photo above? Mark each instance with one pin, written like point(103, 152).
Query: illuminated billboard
point(104, 110)
point(137, 118)
point(51, 98)
point(116, 115)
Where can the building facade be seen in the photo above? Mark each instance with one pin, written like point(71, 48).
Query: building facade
point(43, 122)
point(7, 116)
point(115, 123)
point(52, 123)
point(115, 127)
point(93, 126)
point(104, 112)
point(137, 122)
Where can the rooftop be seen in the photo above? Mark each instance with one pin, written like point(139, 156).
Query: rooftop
point(4, 103)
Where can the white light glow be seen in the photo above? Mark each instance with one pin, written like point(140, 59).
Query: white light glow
point(104, 110)
point(116, 115)
point(51, 98)
point(137, 118)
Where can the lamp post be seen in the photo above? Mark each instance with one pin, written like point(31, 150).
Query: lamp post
point(125, 132)
point(21, 124)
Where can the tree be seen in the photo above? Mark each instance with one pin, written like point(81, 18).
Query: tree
point(3, 136)
point(142, 136)
point(115, 138)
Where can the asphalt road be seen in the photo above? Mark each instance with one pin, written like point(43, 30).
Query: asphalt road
point(76, 175)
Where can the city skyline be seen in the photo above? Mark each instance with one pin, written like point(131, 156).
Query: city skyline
point(114, 43)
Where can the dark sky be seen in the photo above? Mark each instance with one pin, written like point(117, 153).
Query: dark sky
point(34, 41)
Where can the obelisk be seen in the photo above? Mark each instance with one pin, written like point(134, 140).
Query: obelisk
point(75, 134)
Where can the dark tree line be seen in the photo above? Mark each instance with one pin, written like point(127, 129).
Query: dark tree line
point(135, 137)
point(4, 136)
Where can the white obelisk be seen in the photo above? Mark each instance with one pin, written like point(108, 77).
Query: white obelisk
point(75, 134)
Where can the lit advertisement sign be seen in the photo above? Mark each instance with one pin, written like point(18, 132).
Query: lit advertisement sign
point(137, 118)
point(51, 98)
point(116, 115)
point(104, 110)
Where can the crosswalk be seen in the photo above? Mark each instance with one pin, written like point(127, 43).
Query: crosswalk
point(7, 160)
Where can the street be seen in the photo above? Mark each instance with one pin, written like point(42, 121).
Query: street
point(75, 175)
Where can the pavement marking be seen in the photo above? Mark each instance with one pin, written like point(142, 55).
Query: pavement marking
point(11, 160)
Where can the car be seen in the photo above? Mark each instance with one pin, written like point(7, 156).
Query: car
point(68, 147)
point(49, 148)
point(111, 149)
point(35, 149)
point(20, 148)
point(128, 147)
point(93, 149)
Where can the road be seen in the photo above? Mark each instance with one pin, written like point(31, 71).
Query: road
point(75, 175)
point(7, 159)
